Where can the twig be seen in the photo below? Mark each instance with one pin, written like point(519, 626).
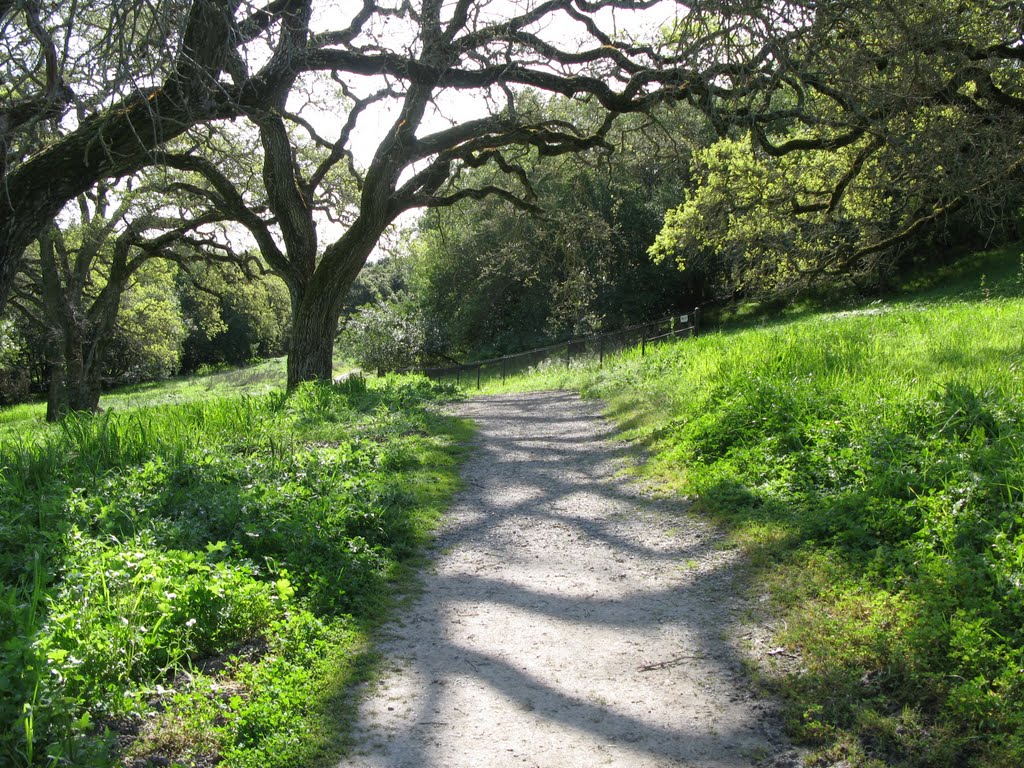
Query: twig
point(666, 664)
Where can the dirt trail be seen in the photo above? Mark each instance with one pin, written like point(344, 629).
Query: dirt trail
point(568, 621)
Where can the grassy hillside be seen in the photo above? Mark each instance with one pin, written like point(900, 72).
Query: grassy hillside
point(871, 461)
point(258, 379)
point(194, 583)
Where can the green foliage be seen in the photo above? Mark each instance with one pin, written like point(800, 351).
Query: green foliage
point(201, 577)
point(870, 462)
point(150, 329)
point(231, 319)
point(385, 280)
point(9, 344)
point(387, 336)
point(496, 279)
point(738, 224)
point(867, 159)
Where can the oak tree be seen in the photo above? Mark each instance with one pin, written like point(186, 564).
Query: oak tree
point(402, 59)
point(880, 123)
point(75, 279)
point(92, 88)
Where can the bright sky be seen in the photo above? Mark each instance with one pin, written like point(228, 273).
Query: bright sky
point(558, 29)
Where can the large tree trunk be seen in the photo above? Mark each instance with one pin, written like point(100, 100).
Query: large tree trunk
point(74, 380)
point(71, 394)
point(311, 357)
point(316, 306)
point(311, 351)
point(83, 389)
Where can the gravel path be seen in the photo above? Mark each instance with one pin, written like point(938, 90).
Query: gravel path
point(569, 620)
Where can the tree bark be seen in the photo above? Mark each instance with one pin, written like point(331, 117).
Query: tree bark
point(311, 351)
point(55, 389)
point(317, 303)
point(74, 376)
point(82, 385)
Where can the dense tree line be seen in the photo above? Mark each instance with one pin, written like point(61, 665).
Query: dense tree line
point(487, 278)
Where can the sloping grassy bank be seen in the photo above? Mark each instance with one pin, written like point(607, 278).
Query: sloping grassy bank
point(872, 463)
point(187, 584)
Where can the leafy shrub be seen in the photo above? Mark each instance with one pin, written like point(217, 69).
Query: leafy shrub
point(389, 336)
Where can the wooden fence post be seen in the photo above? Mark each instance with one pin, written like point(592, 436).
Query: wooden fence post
point(478, 369)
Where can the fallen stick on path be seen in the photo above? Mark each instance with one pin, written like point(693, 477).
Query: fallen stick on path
point(666, 664)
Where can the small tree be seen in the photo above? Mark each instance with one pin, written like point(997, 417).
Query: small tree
point(76, 282)
point(148, 337)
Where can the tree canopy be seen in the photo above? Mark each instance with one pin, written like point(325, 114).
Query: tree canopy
point(401, 61)
point(96, 86)
point(881, 124)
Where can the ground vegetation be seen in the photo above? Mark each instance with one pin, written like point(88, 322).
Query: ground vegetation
point(867, 461)
point(193, 583)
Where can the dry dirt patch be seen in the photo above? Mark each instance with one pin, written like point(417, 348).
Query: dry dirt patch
point(569, 620)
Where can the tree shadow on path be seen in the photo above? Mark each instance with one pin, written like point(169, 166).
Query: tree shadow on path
point(568, 619)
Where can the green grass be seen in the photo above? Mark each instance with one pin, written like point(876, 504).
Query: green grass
point(259, 378)
point(193, 582)
point(871, 462)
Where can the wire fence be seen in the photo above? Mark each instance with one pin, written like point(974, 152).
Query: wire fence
point(592, 347)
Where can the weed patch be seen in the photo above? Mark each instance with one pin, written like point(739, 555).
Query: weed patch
point(193, 583)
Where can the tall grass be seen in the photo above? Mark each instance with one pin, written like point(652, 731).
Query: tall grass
point(260, 378)
point(871, 463)
point(155, 558)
